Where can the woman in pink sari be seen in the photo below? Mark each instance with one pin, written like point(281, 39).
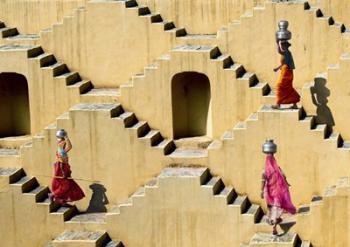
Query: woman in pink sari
point(275, 190)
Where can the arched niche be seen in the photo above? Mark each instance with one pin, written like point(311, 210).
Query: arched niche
point(14, 105)
point(190, 104)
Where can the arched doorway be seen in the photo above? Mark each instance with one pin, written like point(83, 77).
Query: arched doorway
point(190, 104)
point(14, 105)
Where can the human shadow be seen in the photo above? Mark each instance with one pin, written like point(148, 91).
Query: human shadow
point(319, 95)
point(98, 199)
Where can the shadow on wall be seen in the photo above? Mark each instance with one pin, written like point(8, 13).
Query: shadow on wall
point(319, 94)
point(98, 199)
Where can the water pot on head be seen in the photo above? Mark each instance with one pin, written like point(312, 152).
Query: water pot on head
point(269, 147)
point(61, 133)
point(283, 33)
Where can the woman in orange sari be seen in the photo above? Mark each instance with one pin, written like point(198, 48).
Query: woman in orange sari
point(285, 92)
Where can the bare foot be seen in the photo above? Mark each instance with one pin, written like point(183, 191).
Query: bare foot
point(274, 231)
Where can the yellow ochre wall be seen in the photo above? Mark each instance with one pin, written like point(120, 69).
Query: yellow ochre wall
point(31, 16)
point(315, 43)
point(49, 96)
point(111, 155)
point(201, 17)
point(104, 151)
point(310, 162)
point(339, 9)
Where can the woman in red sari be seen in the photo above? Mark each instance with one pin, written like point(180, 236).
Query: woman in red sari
point(64, 188)
point(285, 92)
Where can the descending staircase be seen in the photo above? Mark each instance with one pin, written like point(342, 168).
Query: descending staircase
point(75, 88)
point(29, 186)
point(130, 121)
point(92, 223)
point(76, 85)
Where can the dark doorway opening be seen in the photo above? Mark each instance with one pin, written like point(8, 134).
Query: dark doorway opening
point(14, 105)
point(190, 104)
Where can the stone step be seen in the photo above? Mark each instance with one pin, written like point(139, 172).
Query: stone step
point(22, 39)
point(67, 212)
point(188, 157)
point(14, 142)
point(12, 174)
point(26, 184)
point(40, 193)
point(87, 221)
point(201, 142)
point(84, 239)
point(8, 32)
point(101, 95)
point(269, 240)
point(9, 157)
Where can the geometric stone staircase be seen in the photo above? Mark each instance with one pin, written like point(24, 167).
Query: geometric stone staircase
point(90, 236)
point(143, 130)
point(29, 186)
point(212, 187)
point(318, 201)
point(251, 215)
point(322, 129)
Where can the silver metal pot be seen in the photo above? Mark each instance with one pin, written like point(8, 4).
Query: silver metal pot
point(283, 33)
point(61, 133)
point(269, 147)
